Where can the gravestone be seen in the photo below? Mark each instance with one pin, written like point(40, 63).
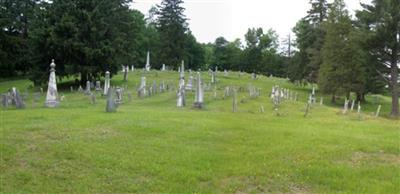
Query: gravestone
point(118, 93)
point(87, 91)
point(181, 101)
point(111, 105)
point(254, 76)
point(5, 100)
point(234, 100)
point(126, 70)
point(132, 68)
point(213, 77)
point(142, 88)
point(199, 96)
point(93, 99)
point(189, 85)
point(163, 67)
point(378, 111)
point(345, 106)
point(321, 102)
point(352, 105)
point(16, 99)
point(359, 110)
point(226, 73)
point(148, 61)
point(51, 97)
point(98, 86)
point(71, 88)
point(154, 88)
point(80, 89)
point(106, 83)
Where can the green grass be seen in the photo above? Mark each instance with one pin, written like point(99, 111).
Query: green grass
point(151, 146)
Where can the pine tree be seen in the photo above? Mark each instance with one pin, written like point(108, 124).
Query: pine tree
point(85, 37)
point(341, 71)
point(382, 19)
point(172, 27)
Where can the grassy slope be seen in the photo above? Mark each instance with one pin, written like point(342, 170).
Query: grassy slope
point(149, 145)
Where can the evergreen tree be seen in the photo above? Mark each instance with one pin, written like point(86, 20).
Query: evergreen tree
point(382, 19)
point(172, 27)
point(341, 71)
point(85, 37)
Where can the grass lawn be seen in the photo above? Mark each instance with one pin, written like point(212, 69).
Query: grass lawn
point(151, 146)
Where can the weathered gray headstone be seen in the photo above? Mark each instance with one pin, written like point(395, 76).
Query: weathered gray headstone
point(199, 96)
point(142, 88)
point(181, 101)
point(98, 86)
point(87, 91)
point(16, 99)
point(106, 83)
point(51, 97)
point(118, 93)
point(111, 105)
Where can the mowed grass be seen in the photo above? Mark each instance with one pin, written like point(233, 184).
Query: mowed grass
point(151, 146)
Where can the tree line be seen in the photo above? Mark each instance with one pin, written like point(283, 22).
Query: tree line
point(340, 53)
point(345, 55)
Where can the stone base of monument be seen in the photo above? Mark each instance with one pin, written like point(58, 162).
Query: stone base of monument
point(198, 105)
point(52, 104)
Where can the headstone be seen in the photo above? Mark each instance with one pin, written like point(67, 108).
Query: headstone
point(148, 61)
point(126, 73)
point(199, 96)
point(5, 100)
point(93, 99)
point(72, 88)
point(118, 93)
point(378, 111)
point(345, 106)
point(51, 97)
point(262, 109)
point(254, 76)
point(359, 110)
point(111, 105)
point(142, 88)
point(163, 67)
point(234, 101)
point(16, 99)
point(213, 77)
point(62, 97)
point(154, 88)
point(132, 68)
point(189, 85)
point(80, 89)
point(181, 101)
point(106, 83)
point(226, 73)
point(87, 91)
point(307, 109)
point(352, 105)
point(98, 86)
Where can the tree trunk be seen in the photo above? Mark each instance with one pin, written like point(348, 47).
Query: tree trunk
point(333, 100)
point(394, 74)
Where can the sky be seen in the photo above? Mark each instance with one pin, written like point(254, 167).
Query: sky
point(209, 19)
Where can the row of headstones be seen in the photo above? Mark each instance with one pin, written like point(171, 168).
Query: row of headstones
point(347, 105)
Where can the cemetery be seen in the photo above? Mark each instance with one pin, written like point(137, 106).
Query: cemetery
point(216, 141)
point(98, 96)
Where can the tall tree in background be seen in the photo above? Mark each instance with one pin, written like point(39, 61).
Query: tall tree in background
point(172, 26)
point(382, 18)
point(341, 71)
point(297, 70)
point(316, 16)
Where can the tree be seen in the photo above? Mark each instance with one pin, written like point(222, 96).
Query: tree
point(316, 16)
point(341, 71)
point(15, 21)
point(297, 70)
point(86, 38)
point(172, 27)
point(382, 18)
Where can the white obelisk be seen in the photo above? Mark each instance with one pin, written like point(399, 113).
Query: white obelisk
point(148, 61)
point(51, 97)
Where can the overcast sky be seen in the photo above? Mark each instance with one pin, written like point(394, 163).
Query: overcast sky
point(209, 19)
